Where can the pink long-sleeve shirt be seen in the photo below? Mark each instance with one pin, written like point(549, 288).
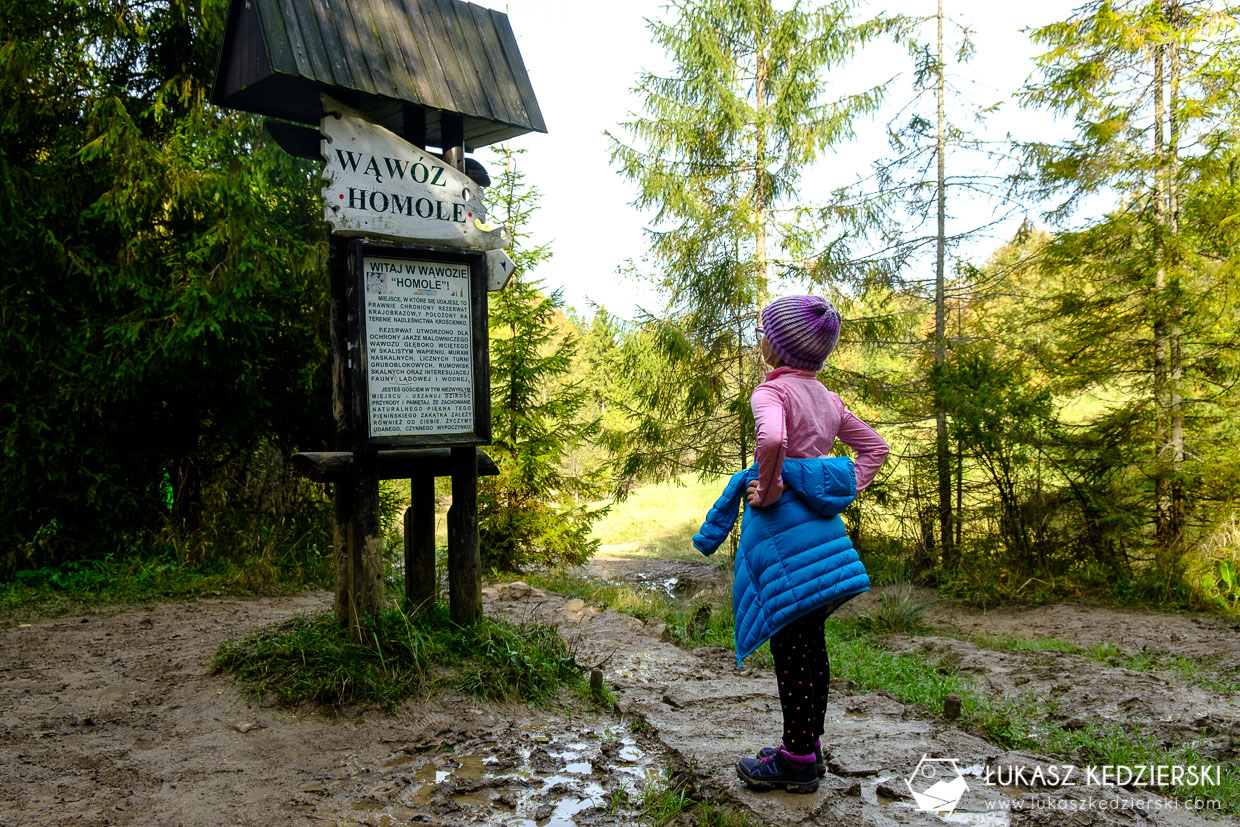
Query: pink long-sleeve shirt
point(797, 417)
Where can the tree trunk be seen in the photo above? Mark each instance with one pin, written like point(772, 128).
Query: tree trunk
point(1177, 517)
point(761, 194)
point(1163, 529)
point(942, 451)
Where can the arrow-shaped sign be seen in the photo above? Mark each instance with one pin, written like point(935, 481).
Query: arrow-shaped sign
point(499, 269)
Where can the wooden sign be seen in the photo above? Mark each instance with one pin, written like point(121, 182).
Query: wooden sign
point(499, 270)
point(380, 185)
point(423, 335)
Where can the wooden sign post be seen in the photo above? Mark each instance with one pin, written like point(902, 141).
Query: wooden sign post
point(410, 376)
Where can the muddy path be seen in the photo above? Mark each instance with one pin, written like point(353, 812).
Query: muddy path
point(114, 720)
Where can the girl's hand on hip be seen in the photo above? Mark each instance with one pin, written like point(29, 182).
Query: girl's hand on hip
point(751, 495)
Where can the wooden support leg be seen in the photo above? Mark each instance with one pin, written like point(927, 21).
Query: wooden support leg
point(420, 543)
point(464, 561)
point(342, 561)
point(367, 531)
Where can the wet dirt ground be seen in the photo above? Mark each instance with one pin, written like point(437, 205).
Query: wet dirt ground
point(114, 720)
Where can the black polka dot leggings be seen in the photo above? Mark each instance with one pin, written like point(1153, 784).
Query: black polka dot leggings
point(804, 675)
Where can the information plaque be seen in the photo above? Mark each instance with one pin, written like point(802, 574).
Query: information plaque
point(424, 380)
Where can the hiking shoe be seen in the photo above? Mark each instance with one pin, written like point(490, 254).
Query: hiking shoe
point(779, 770)
point(820, 764)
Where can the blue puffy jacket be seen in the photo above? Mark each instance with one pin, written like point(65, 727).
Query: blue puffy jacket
point(794, 555)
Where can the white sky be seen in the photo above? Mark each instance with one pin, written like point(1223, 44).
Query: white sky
point(584, 58)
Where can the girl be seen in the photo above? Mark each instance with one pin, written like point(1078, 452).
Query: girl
point(796, 417)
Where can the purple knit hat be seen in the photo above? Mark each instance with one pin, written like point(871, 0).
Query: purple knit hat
point(802, 330)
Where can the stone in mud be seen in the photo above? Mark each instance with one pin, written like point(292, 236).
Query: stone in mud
point(895, 789)
point(542, 762)
point(852, 763)
point(544, 812)
point(732, 690)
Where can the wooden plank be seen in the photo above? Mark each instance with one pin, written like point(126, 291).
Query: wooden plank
point(482, 351)
point(394, 464)
point(342, 74)
point(243, 59)
point(420, 40)
point(355, 48)
point(485, 134)
point(408, 89)
point(512, 54)
point(276, 38)
point(474, 60)
point(466, 97)
point(297, 40)
point(464, 559)
point(493, 69)
point(342, 498)
point(424, 91)
point(365, 533)
point(420, 544)
point(312, 38)
point(376, 47)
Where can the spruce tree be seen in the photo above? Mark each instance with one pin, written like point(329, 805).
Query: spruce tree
point(1151, 89)
point(717, 153)
point(535, 512)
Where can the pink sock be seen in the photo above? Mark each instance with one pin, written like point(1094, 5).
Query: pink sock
point(797, 760)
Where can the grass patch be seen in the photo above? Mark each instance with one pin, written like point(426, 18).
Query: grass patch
point(94, 584)
point(1200, 672)
point(669, 800)
point(1014, 723)
point(660, 520)
point(689, 623)
point(311, 660)
point(897, 611)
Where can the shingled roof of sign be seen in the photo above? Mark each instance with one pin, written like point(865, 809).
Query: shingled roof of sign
point(386, 58)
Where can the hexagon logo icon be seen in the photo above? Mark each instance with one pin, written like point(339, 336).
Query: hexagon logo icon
point(936, 784)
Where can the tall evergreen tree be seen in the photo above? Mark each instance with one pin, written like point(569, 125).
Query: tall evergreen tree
point(535, 512)
point(1151, 87)
point(163, 299)
point(717, 153)
point(892, 233)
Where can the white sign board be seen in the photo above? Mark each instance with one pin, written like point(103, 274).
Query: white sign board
point(378, 184)
point(419, 354)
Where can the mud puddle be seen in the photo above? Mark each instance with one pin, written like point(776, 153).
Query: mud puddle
point(676, 579)
point(547, 777)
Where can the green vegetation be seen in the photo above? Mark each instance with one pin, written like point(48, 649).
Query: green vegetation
point(716, 154)
point(236, 553)
point(897, 611)
point(164, 332)
point(164, 336)
point(669, 799)
point(660, 520)
point(534, 511)
point(1196, 671)
point(312, 660)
